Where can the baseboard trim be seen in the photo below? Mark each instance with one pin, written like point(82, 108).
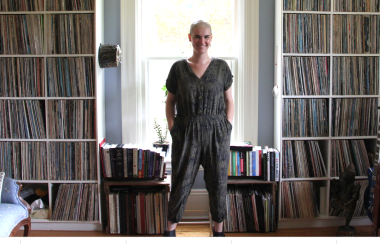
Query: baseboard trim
point(197, 206)
point(66, 226)
point(315, 223)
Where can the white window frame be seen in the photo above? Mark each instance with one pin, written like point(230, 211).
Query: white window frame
point(133, 105)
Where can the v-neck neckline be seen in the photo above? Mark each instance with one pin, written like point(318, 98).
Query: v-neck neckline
point(191, 69)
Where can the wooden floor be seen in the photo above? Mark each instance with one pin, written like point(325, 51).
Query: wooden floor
point(202, 230)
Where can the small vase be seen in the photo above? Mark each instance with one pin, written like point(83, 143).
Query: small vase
point(164, 146)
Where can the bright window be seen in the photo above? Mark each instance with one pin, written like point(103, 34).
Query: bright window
point(154, 34)
point(166, 24)
point(164, 36)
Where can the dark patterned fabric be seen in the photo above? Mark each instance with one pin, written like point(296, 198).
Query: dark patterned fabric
point(201, 135)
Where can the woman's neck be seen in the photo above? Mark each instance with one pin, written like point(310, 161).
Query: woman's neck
point(200, 59)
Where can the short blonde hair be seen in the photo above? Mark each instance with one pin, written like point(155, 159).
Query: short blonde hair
point(200, 24)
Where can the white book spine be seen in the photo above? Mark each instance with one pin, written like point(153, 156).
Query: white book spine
point(277, 165)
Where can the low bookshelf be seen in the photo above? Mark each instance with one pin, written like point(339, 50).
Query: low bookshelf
point(251, 189)
point(140, 204)
point(251, 205)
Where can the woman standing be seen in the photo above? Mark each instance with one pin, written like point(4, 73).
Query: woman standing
point(200, 89)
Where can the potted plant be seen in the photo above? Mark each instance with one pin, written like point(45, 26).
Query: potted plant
point(164, 89)
point(161, 134)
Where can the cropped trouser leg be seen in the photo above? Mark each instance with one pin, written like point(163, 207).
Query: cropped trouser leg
point(185, 165)
point(214, 159)
point(206, 142)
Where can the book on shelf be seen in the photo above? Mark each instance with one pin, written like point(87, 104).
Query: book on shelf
point(117, 160)
point(241, 146)
point(127, 161)
point(253, 161)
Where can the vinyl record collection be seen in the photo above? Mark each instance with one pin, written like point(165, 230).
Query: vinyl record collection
point(22, 119)
point(306, 5)
point(76, 202)
point(69, 5)
point(306, 75)
point(26, 31)
point(71, 119)
point(73, 161)
point(250, 209)
point(69, 33)
point(137, 211)
point(22, 77)
point(356, 34)
point(24, 160)
point(356, 6)
point(354, 117)
point(305, 118)
point(306, 33)
point(345, 152)
point(302, 159)
point(299, 200)
point(70, 77)
point(356, 76)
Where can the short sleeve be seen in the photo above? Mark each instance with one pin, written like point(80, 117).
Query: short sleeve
point(171, 81)
point(227, 78)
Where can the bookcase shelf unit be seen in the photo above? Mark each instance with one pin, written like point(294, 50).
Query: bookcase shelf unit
point(37, 86)
point(136, 185)
point(248, 183)
point(312, 54)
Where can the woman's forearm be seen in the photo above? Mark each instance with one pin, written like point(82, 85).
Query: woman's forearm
point(230, 110)
point(229, 105)
point(170, 109)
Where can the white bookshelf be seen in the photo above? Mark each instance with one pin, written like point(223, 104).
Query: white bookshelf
point(98, 117)
point(325, 142)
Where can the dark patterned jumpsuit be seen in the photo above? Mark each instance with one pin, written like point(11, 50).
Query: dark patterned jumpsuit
point(201, 135)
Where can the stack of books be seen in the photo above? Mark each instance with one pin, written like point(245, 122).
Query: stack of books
point(131, 161)
point(246, 160)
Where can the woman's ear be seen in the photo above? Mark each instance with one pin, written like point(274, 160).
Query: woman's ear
point(189, 37)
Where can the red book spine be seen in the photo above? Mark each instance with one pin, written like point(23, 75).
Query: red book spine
point(143, 165)
point(241, 164)
point(101, 156)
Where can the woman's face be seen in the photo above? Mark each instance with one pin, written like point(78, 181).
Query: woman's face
point(200, 39)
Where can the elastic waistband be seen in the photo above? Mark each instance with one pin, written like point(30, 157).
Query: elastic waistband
point(201, 117)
